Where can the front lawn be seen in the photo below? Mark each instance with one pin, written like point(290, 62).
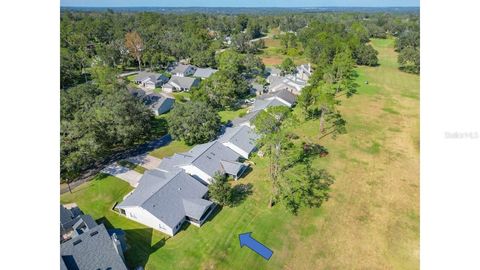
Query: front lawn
point(230, 115)
point(132, 166)
point(170, 149)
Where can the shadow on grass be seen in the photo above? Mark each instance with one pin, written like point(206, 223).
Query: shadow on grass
point(246, 172)
point(215, 211)
point(240, 192)
point(139, 244)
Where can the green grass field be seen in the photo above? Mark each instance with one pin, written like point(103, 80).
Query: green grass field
point(370, 222)
point(132, 166)
point(170, 149)
point(230, 115)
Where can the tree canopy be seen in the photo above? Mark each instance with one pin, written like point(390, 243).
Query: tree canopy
point(193, 122)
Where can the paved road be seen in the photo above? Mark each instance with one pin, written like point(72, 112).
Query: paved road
point(139, 150)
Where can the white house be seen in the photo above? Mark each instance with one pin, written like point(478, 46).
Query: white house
point(150, 80)
point(165, 200)
point(182, 70)
point(177, 84)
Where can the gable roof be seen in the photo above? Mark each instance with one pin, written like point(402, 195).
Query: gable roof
point(231, 167)
point(182, 82)
point(93, 249)
point(181, 68)
point(163, 194)
point(284, 94)
point(195, 208)
point(246, 118)
point(262, 104)
point(209, 160)
point(242, 136)
point(287, 81)
point(204, 72)
point(150, 76)
point(156, 101)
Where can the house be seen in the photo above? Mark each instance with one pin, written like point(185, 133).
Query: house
point(177, 83)
point(165, 200)
point(204, 72)
point(257, 89)
point(182, 70)
point(150, 80)
point(241, 139)
point(205, 160)
point(246, 120)
point(304, 72)
point(158, 103)
point(289, 82)
point(92, 248)
point(280, 98)
point(285, 96)
point(273, 71)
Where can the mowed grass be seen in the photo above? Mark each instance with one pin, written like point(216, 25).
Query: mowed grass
point(132, 166)
point(370, 222)
point(372, 218)
point(230, 115)
point(170, 149)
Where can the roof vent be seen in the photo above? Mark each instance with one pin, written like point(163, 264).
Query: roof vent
point(94, 233)
point(179, 188)
point(77, 242)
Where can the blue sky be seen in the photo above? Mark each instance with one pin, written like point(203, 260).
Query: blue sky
point(239, 3)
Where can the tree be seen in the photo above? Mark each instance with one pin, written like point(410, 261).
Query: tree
point(231, 61)
point(304, 186)
point(268, 124)
point(409, 60)
point(252, 65)
point(366, 55)
point(341, 73)
point(287, 66)
point(135, 46)
point(222, 90)
point(194, 122)
point(204, 58)
point(95, 123)
point(220, 191)
point(306, 100)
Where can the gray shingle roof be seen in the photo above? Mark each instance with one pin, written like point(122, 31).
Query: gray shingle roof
point(209, 160)
point(204, 72)
point(183, 82)
point(283, 94)
point(180, 68)
point(195, 208)
point(65, 215)
point(93, 249)
point(262, 104)
point(231, 167)
point(154, 77)
point(242, 136)
point(159, 103)
point(246, 118)
point(163, 195)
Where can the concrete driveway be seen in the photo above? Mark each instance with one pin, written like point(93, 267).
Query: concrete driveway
point(146, 161)
point(130, 176)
